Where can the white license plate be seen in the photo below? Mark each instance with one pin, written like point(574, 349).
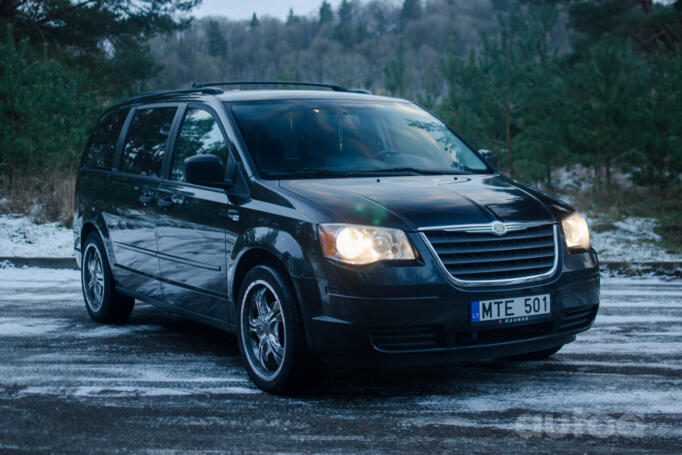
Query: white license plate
point(514, 309)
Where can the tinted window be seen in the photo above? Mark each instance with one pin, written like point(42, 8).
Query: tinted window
point(300, 137)
point(199, 135)
point(104, 138)
point(146, 141)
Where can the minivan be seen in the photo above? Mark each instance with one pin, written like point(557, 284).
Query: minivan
point(321, 224)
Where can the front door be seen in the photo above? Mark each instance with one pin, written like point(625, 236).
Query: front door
point(191, 227)
point(132, 214)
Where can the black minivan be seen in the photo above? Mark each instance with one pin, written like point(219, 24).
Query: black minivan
point(325, 224)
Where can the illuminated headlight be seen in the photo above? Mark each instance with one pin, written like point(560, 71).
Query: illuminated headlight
point(361, 245)
point(576, 233)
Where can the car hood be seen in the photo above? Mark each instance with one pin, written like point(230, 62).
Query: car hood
point(413, 202)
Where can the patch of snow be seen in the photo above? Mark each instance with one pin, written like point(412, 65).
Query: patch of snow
point(107, 331)
point(632, 240)
point(657, 282)
point(538, 397)
point(131, 391)
point(31, 296)
point(28, 276)
point(586, 346)
point(631, 293)
point(573, 179)
point(21, 237)
point(29, 327)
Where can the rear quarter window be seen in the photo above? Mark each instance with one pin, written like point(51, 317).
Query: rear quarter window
point(100, 152)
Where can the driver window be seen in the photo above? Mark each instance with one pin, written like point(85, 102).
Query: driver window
point(199, 135)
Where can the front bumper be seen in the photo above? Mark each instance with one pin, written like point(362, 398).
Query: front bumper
point(427, 324)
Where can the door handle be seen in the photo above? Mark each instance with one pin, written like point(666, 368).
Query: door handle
point(146, 197)
point(171, 201)
point(166, 203)
point(233, 214)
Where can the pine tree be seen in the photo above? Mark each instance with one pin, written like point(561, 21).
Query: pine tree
point(107, 39)
point(344, 29)
point(215, 40)
point(254, 21)
point(292, 19)
point(326, 13)
point(394, 72)
point(411, 10)
point(45, 112)
point(607, 109)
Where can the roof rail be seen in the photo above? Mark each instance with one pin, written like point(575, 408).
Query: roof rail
point(336, 88)
point(206, 90)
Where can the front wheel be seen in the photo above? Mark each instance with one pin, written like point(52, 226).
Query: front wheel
point(271, 338)
point(103, 303)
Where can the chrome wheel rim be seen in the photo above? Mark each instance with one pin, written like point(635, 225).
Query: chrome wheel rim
point(263, 329)
point(93, 278)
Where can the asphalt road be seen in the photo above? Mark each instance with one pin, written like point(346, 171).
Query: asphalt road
point(162, 384)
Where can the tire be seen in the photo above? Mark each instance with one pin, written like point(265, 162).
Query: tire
point(103, 303)
point(271, 337)
point(537, 355)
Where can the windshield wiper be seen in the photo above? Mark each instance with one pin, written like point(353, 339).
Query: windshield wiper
point(419, 171)
point(321, 172)
point(307, 171)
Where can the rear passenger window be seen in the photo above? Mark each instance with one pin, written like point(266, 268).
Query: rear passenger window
point(104, 138)
point(199, 135)
point(146, 141)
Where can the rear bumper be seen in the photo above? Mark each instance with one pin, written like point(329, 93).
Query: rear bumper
point(403, 329)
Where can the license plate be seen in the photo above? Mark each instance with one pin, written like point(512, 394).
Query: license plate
point(516, 309)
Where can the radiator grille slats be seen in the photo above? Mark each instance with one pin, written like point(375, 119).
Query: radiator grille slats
point(484, 256)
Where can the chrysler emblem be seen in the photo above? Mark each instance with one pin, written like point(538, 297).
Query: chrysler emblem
point(499, 228)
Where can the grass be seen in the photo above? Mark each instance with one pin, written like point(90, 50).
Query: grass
point(44, 198)
point(617, 202)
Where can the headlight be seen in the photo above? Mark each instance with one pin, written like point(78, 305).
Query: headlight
point(575, 231)
point(361, 245)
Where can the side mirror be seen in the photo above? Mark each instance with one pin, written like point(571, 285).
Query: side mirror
point(206, 170)
point(491, 157)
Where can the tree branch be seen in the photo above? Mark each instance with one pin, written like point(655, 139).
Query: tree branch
point(61, 12)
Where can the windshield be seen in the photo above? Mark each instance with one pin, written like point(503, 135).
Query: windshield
point(329, 138)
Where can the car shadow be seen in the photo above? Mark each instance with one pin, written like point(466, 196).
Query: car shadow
point(329, 381)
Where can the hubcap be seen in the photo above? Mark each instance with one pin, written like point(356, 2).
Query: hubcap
point(93, 278)
point(263, 329)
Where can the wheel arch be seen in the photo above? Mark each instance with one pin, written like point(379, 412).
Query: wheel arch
point(277, 249)
point(97, 226)
point(274, 246)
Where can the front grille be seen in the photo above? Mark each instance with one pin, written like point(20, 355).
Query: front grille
point(406, 338)
point(578, 318)
point(502, 335)
point(478, 255)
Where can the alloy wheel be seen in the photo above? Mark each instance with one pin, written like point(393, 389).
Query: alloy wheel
point(93, 278)
point(263, 329)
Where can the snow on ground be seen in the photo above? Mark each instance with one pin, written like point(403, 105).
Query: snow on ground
point(621, 377)
point(632, 240)
point(21, 237)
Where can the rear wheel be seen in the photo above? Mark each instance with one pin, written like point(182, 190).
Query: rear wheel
point(271, 337)
point(537, 355)
point(103, 303)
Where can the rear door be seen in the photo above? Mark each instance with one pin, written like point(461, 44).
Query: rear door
point(191, 227)
point(131, 219)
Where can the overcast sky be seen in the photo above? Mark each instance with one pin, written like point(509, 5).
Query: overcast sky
point(245, 8)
